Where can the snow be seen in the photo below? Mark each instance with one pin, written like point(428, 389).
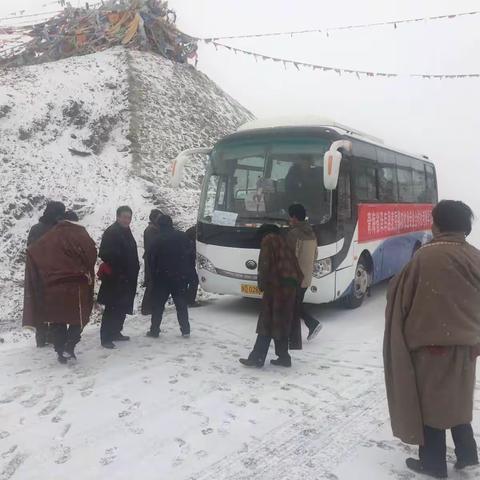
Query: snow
point(130, 113)
point(186, 409)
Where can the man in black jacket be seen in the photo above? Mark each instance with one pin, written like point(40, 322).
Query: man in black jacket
point(149, 236)
point(119, 251)
point(170, 267)
point(54, 212)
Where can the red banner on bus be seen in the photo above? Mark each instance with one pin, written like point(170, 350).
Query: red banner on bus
point(377, 221)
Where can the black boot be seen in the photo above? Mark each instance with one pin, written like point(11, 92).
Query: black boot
point(250, 362)
point(70, 351)
point(61, 359)
point(282, 362)
point(460, 465)
point(121, 338)
point(109, 345)
point(152, 334)
point(418, 467)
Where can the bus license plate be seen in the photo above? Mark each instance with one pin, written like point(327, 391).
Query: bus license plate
point(250, 290)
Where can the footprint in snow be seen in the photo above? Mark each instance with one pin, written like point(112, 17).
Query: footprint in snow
point(87, 389)
point(59, 416)
point(207, 431)
point(9, 452)
point(110, 456)
point(14, 394)
point(53, 403)
point(64, 454)
point(12, 466)
point(33, 400)
point(4, 434)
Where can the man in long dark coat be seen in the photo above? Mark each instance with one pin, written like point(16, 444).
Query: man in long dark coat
point(54, 211)
point(118, 250)
point(279, 277)
point(170, 267)
point(149, 236)
point(432, 338)
point(59, 284)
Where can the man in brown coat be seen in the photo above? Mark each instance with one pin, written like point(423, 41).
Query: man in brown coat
point(279, 276)
point(59, 283)
point(302, 240)
point(431, 342)
point(54, 212)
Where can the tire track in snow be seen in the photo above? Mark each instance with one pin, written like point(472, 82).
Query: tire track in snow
point(309, 445)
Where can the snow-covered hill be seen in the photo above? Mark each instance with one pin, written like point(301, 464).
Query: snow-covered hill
point(96, 132)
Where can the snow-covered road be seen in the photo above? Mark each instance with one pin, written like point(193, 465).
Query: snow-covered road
point(186, 409)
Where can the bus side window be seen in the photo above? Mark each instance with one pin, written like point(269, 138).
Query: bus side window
point(419, 182)
point(366, 183)
point(405, 178)
point(365, 172)
point(344, 206)
point(431, 183)
point(387, 176)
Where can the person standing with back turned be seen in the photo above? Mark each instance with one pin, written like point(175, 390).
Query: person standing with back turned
point(54, 212)
point(302, 240)
point(432, 339)
point(60, 281)
point(119, 276)
point(170, 267)
point(279, 277)
point(149, 236)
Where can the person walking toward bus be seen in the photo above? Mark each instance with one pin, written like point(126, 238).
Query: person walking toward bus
point(119, 276)
point(279, 277)
point(149, 236)
point(59, 283)
point(302, 240)
point(170, 267)
point(54, 211)
point(432, 339)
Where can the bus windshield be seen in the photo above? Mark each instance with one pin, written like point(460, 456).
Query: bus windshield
point(251, 182)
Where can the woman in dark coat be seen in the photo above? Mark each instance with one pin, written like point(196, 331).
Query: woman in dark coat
point(119, 276)
point(279, 276)
point(149, 236)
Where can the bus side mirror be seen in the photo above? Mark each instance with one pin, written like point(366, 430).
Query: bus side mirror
point(331, 163)
point(178, 165)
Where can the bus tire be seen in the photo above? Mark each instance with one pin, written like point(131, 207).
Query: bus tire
point(361, 284)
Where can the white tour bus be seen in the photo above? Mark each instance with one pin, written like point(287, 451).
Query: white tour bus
point(369, 205)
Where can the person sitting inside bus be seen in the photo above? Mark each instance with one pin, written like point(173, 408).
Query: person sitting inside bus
point(279, 277)
point(302, 182)
point(432, 337)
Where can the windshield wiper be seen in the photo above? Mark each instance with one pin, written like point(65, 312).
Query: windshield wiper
point(272, 219)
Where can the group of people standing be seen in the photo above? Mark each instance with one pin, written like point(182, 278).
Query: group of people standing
point(60, 277)
point(432, 334)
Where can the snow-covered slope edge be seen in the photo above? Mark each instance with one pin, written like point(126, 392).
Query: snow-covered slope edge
point(95, 132)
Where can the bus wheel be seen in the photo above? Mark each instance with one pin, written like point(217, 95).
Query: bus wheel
point(361, 284)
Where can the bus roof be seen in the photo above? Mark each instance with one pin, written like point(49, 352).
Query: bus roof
point(316, 121)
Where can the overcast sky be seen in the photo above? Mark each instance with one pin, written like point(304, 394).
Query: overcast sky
point(437, 118)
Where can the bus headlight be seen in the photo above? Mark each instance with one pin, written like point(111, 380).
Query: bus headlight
point(322, 267)
point(203, 263)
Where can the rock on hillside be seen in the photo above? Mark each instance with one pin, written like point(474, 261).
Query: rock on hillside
point(95, 132)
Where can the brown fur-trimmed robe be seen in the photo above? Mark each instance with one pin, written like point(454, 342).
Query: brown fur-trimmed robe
point(432, 325)
point(59, 277)
point(279, 277)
